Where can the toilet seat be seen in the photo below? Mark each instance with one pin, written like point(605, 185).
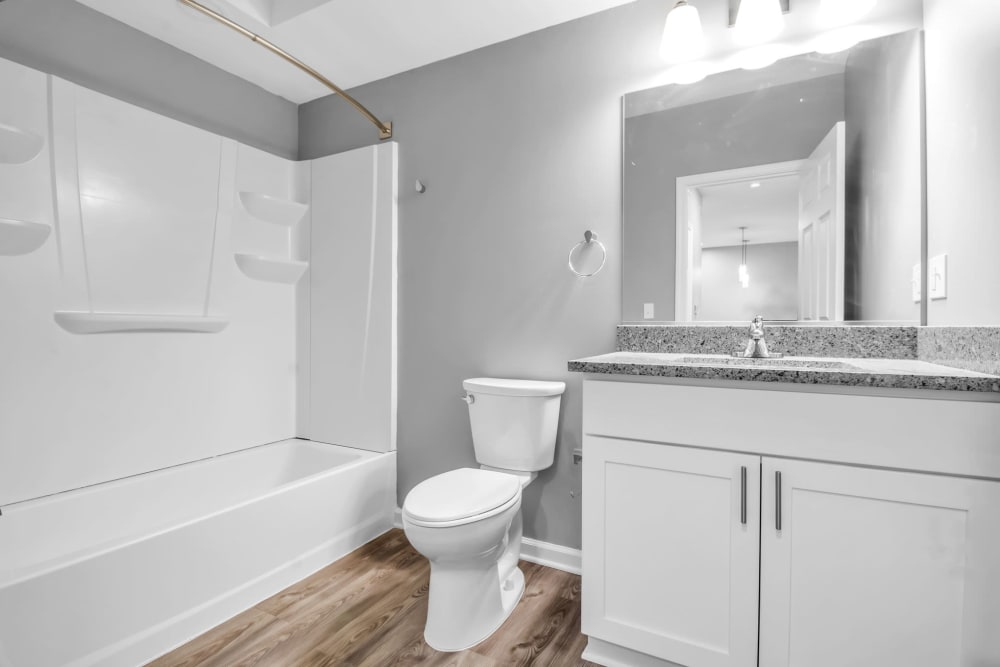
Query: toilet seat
point(461, 496)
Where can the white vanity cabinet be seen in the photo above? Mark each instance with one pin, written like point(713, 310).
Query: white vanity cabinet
point(877, 559)
point(671, 545)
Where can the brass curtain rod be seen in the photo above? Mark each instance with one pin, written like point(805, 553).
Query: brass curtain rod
point(384, 129)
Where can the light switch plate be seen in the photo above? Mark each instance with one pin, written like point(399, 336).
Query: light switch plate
point(648, 311)
point(937, 277)
point(915, 283)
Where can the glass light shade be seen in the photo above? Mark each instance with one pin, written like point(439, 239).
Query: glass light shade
point(683, 37)
point(743, 272)
point(758, 21)
point(745, 280)
point(839, 12)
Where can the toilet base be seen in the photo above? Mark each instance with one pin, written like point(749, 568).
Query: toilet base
point(457, 621)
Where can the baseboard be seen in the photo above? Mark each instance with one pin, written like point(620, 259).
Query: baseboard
point(555, 556)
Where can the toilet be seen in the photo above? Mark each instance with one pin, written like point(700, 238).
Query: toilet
point(467, 522)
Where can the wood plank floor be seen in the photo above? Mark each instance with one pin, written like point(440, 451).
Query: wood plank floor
point(368, 610)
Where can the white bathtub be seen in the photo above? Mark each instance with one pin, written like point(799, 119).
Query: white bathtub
point(119, 573)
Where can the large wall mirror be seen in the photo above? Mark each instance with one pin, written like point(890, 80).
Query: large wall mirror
point(795, 192)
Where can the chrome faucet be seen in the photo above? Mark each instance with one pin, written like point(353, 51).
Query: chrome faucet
point(757, 347)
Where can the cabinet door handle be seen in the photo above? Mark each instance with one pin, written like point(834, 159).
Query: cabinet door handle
point(777, 500)
point(743, 495)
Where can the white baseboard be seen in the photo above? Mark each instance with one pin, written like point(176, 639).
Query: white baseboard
point(534, 551)
point(555, 556)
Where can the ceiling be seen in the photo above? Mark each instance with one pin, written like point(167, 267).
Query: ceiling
point(770, 212)
point(350, 41)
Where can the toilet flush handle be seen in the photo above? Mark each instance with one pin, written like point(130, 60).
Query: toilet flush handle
point(468, 398)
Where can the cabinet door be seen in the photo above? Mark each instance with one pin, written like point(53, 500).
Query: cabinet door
point(670, 566)
point(874, 567)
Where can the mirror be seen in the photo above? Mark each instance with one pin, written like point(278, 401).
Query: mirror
point(816, 162)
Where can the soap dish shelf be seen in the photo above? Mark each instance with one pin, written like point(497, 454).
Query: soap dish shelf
point(275, 210)
point(18, 146)
point(270, 269)
point(80, 322)
point(20, 237)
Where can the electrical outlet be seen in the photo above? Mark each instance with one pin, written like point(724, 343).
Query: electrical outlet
point(648, 311)
point(937, 277)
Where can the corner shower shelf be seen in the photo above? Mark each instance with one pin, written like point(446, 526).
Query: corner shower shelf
point(19, 237)
point(90, 323)
point(18, 146)
point(277, 211)
point(272, 270)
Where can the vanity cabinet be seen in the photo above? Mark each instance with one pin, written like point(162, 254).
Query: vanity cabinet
point(671, 551)
point(863, 555)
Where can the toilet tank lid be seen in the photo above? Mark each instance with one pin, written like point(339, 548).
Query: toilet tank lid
point(458, 494)
point(505, 387)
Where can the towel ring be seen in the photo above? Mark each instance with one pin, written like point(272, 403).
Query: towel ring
point(589, 239)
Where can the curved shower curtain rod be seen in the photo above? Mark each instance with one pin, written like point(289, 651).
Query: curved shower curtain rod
point(384, 129)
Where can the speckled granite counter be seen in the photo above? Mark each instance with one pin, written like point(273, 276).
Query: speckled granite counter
point(854, 341)
point(856, 372)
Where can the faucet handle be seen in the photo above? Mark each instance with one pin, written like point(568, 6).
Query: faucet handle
point(757, 326)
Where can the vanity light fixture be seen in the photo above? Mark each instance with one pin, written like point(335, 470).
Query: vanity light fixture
point(758, 21)
point(683, 36)
point(744, 273)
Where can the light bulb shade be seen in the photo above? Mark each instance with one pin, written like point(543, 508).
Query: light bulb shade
point(743, 272)
point(838, 12)
point(683, 37)
point(758, 21)
point(745, 281)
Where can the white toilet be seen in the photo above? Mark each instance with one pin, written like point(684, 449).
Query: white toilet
point(467, 522)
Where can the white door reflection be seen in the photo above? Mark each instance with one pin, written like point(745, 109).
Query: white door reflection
point(791, 216)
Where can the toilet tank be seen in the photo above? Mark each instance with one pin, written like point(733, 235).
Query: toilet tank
point(514, 422)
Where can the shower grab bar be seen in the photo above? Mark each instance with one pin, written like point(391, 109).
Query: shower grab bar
point(384, 129)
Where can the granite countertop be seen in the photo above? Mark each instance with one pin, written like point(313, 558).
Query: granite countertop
point(886, 373)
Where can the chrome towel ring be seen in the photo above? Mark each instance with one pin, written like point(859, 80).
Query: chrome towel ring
point(587, 253)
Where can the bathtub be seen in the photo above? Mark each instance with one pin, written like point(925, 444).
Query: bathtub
point(119, 573)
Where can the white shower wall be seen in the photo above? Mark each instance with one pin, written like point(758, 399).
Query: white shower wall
point(146, 219)
point(349, 395)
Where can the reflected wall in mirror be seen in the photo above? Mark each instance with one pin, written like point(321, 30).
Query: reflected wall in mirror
point(817, 158)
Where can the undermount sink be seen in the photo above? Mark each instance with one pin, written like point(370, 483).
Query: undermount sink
point(748, 362)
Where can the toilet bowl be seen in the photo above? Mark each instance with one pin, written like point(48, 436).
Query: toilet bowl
point(467, 522)
point(475, 581)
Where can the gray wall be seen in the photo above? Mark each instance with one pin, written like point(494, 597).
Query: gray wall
point(769, 125)
point(774, 284)
point(76, 43)
point(963, 168)
point(519, 145)
point(884, 114)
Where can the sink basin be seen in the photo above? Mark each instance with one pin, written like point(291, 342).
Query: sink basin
point(744, 362)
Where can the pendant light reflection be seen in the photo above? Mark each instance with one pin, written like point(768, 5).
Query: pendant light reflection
point(683, 36)
point(744, 274)
point(758, 21)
